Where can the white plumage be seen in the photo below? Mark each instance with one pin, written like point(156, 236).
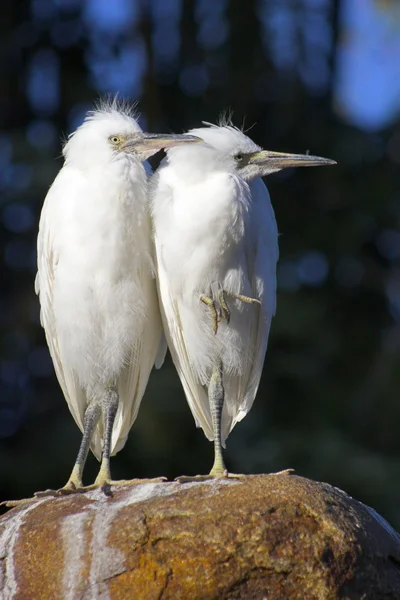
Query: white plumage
point(95, 274)
point(224, 233)
point(95, 277)
point(215, 230)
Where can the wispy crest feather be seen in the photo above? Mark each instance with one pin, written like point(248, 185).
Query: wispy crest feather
point(115, 104)
point(110, 110)
point(226, 121)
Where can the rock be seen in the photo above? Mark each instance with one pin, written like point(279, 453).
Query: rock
point(278, 537)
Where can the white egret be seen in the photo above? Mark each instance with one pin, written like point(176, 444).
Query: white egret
point(217, 249)
point(96, 282)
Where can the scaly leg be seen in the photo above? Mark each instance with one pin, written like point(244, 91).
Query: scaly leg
point(74, 483)
point(110, 407)
point(216, 396)
point(103, 479)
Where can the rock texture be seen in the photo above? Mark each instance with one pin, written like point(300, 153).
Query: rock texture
point(275, 537)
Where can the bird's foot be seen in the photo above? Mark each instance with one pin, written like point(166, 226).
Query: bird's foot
point(284, 472)
point(246, 299)
point(223, 310)
point(218, 305)
point(68, 489)
point(211, 476)
point(71, 487)
point(14, 503)
point(214, 315)
point(105, 484)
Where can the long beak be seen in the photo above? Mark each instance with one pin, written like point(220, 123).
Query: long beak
point(159, 141)
point(281, 160)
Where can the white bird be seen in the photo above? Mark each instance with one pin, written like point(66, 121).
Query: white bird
point(96, 281)
point(217, 249)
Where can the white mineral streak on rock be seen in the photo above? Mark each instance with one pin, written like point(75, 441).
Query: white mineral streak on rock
point(8, 539)
point(73, 540)
point(106, 561)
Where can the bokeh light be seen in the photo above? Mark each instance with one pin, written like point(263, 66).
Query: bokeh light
point(321, 75)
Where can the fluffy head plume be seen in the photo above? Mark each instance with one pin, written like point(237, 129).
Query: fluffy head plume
point(110, 116)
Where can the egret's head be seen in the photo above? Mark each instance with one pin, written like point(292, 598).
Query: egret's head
point(112, 131)
point(239, 153)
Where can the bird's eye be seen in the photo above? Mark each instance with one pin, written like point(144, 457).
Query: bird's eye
point(238, 157)
point(115, 139)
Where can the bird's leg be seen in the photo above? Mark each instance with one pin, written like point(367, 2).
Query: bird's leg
point(74, 483)
point(103, 479)
point(216, 395)
point(214, 315)
point(110, 407)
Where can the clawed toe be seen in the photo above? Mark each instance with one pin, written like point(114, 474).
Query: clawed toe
point(210, 477)
point(219, 308)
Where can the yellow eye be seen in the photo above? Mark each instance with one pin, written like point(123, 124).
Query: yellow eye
point(115, 139)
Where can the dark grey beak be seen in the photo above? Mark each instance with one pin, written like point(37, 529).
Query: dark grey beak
point(281, 160)
point(158, 141)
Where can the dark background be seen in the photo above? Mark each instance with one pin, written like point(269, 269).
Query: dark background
point(311, 74)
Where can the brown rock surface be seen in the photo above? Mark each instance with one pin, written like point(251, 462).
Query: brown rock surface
point(262, 537)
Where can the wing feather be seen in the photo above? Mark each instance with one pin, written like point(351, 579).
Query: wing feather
point(134, 377)
point(196, 394)
point(48, 254)
point(261, 255)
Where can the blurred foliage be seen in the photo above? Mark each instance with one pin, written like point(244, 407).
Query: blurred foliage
point(328, 404)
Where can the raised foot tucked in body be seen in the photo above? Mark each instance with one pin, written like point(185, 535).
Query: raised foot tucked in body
point(219, 308)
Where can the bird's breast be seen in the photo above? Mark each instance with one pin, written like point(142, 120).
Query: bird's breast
point(203, 232)
point(106, 229)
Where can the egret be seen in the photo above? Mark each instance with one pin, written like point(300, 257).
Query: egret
point(95, 280)
point(216, 245)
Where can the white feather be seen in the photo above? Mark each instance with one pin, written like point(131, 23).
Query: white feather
point(212, 228)
point(95, 277)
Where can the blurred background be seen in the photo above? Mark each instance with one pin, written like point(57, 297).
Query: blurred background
point(318, 75)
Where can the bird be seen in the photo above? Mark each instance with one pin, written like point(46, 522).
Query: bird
point(216, 242)
point(95, 280)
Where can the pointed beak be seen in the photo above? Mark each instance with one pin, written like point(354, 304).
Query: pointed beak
point(152, 142)
point(281, 160)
